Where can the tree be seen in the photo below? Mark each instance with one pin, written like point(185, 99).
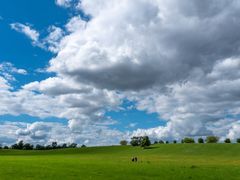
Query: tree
point(64, 145)
point(5, 147)
point(166, 142)
point(83, 146)
point(135, 141)
point(28, 146)
point(20, 145)
point(227, 140)
point(200, 140)
point(72, 145)
point(175, 142)
point(39, 147)
point(238, 140)
point(188, 140)
point(161, 142)
point(123, 142)
point(155, 142)
point(145, 141)
point(54, 145)
point(212, 139)
point(14, 146)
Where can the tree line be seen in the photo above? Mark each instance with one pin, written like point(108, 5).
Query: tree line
point(144, 141)
point(27, 146)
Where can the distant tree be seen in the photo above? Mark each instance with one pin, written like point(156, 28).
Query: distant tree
point(161, 142)
point(145, 141)
point(72, 145)
point(227, 140)
point(14, 146)
point(5, 147)
point(123, 142)
point(83, 146)
point(188, 140)
point(48, 147)
point(182, 141)
point(167, 142)
point(54, 145)
point(200, 140)
point(39, 147)
point(212, 139)
point(64, 145)
point(20, 145)
point(28, 146)
point(174, 141)
point(238, 140)
point(1, 146)
point(135, 141)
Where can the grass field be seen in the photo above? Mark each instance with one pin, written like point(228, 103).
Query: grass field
point(166, 161)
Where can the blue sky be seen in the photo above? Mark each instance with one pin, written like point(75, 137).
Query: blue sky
point(78, 70)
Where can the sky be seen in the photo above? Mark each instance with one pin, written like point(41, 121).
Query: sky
point(100, 71)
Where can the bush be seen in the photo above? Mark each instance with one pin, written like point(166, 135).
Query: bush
point(238, 140)
point(188, 140)
point(200, 140)
point(123, 142)
point(212, 139)
point(227, 140)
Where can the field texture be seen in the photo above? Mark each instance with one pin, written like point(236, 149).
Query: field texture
point(166, 161)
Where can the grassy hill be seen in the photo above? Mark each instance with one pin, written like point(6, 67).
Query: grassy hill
point(162, 161)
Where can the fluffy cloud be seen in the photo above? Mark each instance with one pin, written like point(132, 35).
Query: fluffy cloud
point(180, 60)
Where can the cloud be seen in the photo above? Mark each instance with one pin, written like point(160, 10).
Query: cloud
point(51, 42)
point(180, 60)
point(27, 31)
point(7, 70)
point(63, 3)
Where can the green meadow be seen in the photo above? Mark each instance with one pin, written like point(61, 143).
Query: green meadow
point(161, 161)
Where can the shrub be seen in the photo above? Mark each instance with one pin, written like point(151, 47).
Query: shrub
point(123, 142)
point(227, 140)
point(200, 140)
point(212, 139)
point(188, 140)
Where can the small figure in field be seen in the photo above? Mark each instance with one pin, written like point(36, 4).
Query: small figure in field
point(134, 159)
